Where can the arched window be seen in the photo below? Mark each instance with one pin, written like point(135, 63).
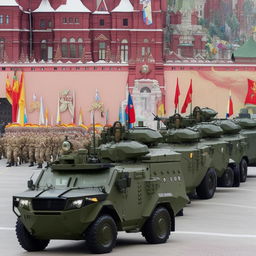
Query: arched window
point(1, 48)
point(7, 19)
point(43, 50)
point(124, 51)
point(64, 47)
point(145, 50)
point(80, 47)
point(145, 90)
point(72, 46)
point(102, 51)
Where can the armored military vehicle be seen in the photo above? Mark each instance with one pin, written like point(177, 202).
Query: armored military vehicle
point(237, 148)
point(249, 132)
point(196, 158)
point(221, 162)
point(124, 187)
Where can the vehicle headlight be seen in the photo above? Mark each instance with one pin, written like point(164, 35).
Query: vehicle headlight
point(77, 203)
point(66, 146)
point(24, 203)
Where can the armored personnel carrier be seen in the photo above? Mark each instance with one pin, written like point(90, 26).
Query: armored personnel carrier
point(221, 162)
point(237, 148)
point(124, 187)
point(249, 132)
point(236, 143)
point(196, 157)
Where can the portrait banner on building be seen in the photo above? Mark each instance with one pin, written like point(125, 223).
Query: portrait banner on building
point(67, 102)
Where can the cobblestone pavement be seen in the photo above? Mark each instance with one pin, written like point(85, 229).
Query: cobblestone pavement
point(222, 226)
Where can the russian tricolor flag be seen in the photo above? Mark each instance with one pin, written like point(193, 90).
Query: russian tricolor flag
point(147, 11)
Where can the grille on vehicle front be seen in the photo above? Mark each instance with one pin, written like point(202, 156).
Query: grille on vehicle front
point(39, 204)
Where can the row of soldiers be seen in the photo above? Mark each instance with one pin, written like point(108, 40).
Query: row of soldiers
point(36, 145)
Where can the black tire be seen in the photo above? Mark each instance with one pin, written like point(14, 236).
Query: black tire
point(101, 235)
point(243, 170)
point(27, 241)
point(208, 185)
point(236, 176)
point(157, 228)
point(227, 178)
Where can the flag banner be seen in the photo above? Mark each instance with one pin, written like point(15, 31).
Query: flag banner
point(80, 121)
point(121, 115)
point(46, 117)
point(130, 111)
point(41, 113)
point(188, 98)
point(230, 109)
point(251, 93)
point(147, 11)
point(22, 102)
point(58, 120)
point(107, 117)
point(161, 109)
point(177, 94)
point(8, 89)
point(15, 97)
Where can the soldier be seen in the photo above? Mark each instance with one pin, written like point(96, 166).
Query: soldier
point(16, 146)
point(31, 149)
point(9, 151)
point(48, 149)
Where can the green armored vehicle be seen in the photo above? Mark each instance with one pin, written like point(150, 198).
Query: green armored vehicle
point(196, 158)
point(211, 135)
point(125, 187)
point(196, 162)
point(237, 148)
point(249, 132)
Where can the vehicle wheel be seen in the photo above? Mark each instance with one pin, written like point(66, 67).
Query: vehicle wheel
point(101, 235)
point(208, 185)
point(243, 170)
point(157, 228)
point(236, 176)
point(227, 178)
point(27, 241)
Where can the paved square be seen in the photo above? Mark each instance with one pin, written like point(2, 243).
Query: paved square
point(222, 226)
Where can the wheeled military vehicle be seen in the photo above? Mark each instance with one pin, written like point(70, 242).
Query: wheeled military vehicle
point(124, 187)
point(249, 132)
point(237, 148)
point(196, 159)
point(237, 168)
point(221, 162)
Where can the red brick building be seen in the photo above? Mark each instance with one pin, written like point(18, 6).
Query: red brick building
point(71, 30)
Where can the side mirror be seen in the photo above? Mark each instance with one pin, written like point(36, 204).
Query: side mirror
point(31, 185)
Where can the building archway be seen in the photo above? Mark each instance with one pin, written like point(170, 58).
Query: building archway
point(146, 95)
point(5, 111)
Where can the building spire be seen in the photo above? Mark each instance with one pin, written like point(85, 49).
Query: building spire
point(124, 6)
point(44, 6)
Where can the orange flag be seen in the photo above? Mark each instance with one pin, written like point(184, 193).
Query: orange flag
point(15, 97)
point(188, 98)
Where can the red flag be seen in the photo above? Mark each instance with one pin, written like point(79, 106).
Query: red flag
point(188, 98)
point(177, 94)
point(230, 109)
point(251, 94)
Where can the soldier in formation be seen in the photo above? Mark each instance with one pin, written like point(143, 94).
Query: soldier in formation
point(38, 145)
